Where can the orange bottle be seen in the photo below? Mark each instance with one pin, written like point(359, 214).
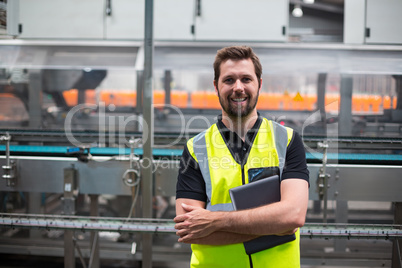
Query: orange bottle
point(198, 100)
point(71, 97)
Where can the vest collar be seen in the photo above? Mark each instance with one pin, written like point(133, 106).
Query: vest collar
point(235, 144)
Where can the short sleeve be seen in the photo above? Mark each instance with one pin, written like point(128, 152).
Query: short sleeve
point(295, 164)
point(190, 183)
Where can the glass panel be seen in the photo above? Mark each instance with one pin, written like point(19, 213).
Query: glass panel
point(95, 87)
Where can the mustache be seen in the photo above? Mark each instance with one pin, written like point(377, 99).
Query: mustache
point(238, 96)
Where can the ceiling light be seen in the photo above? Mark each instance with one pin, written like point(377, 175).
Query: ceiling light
point(308, 1)
point(297, 11)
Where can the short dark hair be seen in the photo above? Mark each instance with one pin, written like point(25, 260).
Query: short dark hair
point(237, 53)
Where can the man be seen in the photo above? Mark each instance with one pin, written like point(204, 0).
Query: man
point(240, 148)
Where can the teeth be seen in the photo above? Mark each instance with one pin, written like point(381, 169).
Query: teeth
point(239, 100)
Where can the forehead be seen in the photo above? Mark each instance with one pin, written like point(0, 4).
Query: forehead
point(237, 67)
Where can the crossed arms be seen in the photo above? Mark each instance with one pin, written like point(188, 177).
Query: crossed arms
point(196, 225)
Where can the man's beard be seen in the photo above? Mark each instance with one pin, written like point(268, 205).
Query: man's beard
point(236, 111)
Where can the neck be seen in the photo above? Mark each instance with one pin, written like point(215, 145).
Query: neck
point(240, 125)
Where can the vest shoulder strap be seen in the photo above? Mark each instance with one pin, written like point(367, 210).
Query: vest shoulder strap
point(281, 143)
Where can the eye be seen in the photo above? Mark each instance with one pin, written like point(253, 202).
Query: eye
point(246, 79)
point(228, 80)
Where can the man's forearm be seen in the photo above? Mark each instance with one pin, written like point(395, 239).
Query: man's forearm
point(199, 223)
point(276, 218)
point(260, 221)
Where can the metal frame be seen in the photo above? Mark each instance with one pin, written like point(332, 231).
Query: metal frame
point(163, 226)
point(103, 175)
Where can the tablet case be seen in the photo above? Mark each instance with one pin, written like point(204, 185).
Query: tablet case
point(262, 192)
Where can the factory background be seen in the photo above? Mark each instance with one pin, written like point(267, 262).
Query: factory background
point(91, 90)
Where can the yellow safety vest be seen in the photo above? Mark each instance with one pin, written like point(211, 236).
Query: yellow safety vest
point(221, 172)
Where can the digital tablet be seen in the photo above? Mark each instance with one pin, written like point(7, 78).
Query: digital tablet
point(262, 192)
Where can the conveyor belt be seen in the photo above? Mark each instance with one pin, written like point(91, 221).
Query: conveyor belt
point(350, 142)
point(341, 158)
point(59, 137)
point(63, 151)
point(53, 136)
point(354, 158)
point(78, 223)
point(351, 231)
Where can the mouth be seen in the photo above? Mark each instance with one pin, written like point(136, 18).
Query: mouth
point(238, 100)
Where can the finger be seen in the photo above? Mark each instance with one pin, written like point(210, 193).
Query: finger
point(184, 239)
point(188, 208)
point(180, 226)
point(181, 233)
point(180, 218)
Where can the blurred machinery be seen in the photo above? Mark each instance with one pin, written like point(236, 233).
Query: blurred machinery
point(76, 161)
point(72, 124)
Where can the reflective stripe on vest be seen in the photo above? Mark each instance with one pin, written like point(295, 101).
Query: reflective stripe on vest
point(281, 143)
point(200, 150)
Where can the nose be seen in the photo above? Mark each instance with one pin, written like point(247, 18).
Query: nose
point(238, 85)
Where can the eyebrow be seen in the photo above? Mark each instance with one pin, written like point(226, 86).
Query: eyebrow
point(241, 75)
point(226, 76)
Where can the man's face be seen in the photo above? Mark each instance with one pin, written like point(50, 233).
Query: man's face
point(237, 88)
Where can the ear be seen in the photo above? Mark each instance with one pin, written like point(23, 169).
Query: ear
point(216, 88)
point(260, 84)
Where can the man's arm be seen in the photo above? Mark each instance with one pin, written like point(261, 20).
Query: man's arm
point(216, 238)
point(192, 202)
point(278, 218)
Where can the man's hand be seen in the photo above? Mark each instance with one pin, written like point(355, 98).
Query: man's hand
point(195, 223)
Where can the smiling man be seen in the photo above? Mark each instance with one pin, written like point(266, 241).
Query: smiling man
point(242, 147)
